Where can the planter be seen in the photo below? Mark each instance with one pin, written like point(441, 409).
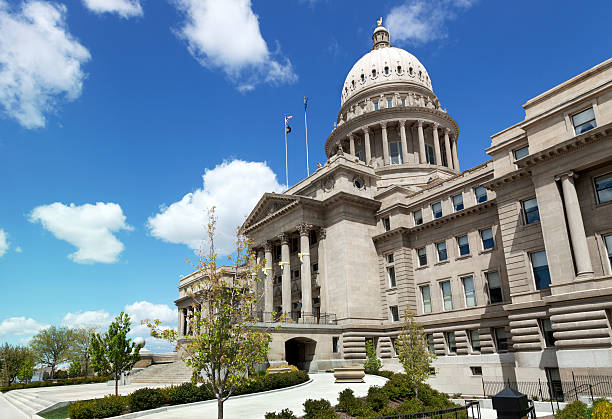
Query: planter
point(349, 374)
point(279, 370)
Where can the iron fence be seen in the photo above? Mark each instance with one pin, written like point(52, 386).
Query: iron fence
point(297, 317)
point(471, 409)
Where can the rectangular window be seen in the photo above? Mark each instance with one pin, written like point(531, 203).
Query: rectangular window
point(389, 103)
point(547, 332)
point(487, 239)
point(494, 286)
point(394, 313)
point(520, 153)
point(296, 274)
point(451, 343)
point(426, 295)
point(501, 339)
point(430, 342)
point(603, 186)
point(418, 217)
point(360, 155)
point(278, 280)
point(584, 121)
point(608, 242)
point(436, 210)
point(470, 293)
point(476, 371)
point(447, 295)
point(481, 194)
point(313, 237)
point(395, 152)
point(335, 344)
point(530, 211)
point(375, 106)
point(315, 267)
point(390, 258)
point(422, 255)
point(390, 270)
point(474, 337)
point(464, 245)
point(387, 223)
point(539, 264)
point(277, 252)
point(430, 154)
point(441, 248)
point(294, 244)
point(458, 202)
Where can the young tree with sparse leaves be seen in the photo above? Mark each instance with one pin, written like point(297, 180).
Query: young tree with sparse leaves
point(412, 351)
point(81, 343)
point(226, 346)
point(52, 347)
point(114, 353)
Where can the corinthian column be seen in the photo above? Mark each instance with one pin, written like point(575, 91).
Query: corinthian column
point(305, 274)
point(436, 141)
point(455, 157)
point(366, 139)
point(575, 224)
point(402, 126)
point(447, 148)
point(422, 158)
point(269, 283)
point(383, 126)
point(351, 144)
point(286, 270)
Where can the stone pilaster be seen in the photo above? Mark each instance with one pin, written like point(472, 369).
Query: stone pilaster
point(368, 150)
point(447, 148)
point(285, 265)
point(306, 279)
point(385, 143)
point(322, 261)
point(436, 140)
point(351, 144)
point(402, 130)
point(269, 282)
point(455, 157)
point(422, 157)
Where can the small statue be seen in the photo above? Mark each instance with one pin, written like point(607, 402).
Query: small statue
point(379, 22)
point(319, 165)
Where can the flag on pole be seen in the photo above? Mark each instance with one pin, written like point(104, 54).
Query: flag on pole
point(287, 127)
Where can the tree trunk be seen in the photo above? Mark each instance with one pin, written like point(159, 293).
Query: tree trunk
point(116, 386)
point(219, 408)
point(416, 391)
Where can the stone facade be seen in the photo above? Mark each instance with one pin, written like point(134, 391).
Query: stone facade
point(507, 264)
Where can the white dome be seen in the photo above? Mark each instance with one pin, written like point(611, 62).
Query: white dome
point(140, 341)
point(390, 65)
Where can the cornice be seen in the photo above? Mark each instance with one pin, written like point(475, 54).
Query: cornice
point(513, 176)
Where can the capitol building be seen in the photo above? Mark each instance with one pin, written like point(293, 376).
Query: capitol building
point(507, 265)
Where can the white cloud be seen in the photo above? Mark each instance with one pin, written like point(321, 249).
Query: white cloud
point(225, 35)
point(422, 21)
point(233, 188)
point(86, 319)
point(4, 243)
point(144, 310)
point(20, 326)
point(88, 227)
point(40, 61)
point(124, 8)
point(18, 249)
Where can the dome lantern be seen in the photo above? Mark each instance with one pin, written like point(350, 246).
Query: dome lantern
point(380, 37)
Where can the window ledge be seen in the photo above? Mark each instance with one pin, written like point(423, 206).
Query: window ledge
point(602, 205)
point(392, 289)
point(463, 257)
point(422, 267)
point(482, 252)
point(442, 262)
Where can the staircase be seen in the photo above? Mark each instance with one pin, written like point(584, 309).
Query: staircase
point(27, 402)
point(173, 373)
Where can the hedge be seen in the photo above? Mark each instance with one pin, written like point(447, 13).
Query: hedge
point(151, 398)
point(66, 382)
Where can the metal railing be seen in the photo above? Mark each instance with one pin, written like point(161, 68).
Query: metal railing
point(471, 409)
point(296, 317)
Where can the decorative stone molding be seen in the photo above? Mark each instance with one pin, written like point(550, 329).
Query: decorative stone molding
point(304, 229)
point(322, 233)
point(268, 246)
point(284, 238)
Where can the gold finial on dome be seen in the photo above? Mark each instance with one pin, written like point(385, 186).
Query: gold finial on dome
point(379, 22)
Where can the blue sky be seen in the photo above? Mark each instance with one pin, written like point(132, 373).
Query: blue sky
point(113, 110)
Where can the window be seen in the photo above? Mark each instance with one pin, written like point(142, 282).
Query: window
point(313, 237)
point(335, 344)
point(603, 186)
point(394, 152)
point(422, 255)
point(501, 339)
point(294, 244)
point(608, 242)
point(375, 106)
point(547, 331)
point(374, 73)
point(386, 70)
point(389, 103)
point(470, 293)
point(430, 154)
point(387, 223)
point(390, 258)
point(277, 252)
point(441, 248)
point(418, 217)
point(584, 121)
point(474, 337)
point(487, 239)
point(430, 342)
point(481, 194)
point(530, 211)
point(458, 202)
point(521, 152)
point(451, 343)
point(436, 209)
point(278, 280)
point(390, 270)
point(403, 102)
point(394, 313)
point(315, 267)
point(399, 69)
point(296, 274)
point(362, 78)
point(539, 264)
point(476, 371)
point(494, 286)
point(447, 295)
point(464, 245)
point(426, 295)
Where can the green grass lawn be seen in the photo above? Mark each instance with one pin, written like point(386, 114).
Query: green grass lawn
point(61, 413)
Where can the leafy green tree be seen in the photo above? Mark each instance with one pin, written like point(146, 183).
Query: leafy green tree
point(114, 353)
point(372, 363)
point(413, 353)
point(52, 347)
point(81, 342)
point(226, 346)
point(26, 369)
point(74, 370)
point(12, 357)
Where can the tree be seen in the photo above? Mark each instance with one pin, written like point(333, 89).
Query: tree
point(413, 353)
point(372, 363)
point(52, 347)
point(114, 353)
point(81, 342)
point(12, 357)
point(74, 370)
point(26, 370)
point(227, 346)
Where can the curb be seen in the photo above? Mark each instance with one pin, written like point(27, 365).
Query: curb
point(205, 402)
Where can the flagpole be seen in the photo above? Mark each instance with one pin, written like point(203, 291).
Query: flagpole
point(306, 131)
point(286, 167)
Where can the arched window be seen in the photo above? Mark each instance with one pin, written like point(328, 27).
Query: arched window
point(410, 71)
point(374, 73)
point(362, 78)
point(420, 74)
point(353, 83)
point(399, 69)
point(387, 71)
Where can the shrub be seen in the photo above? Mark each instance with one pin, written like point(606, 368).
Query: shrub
point(386, 374)
point(372, 364)
point(146, 398)
point(283, 414)
point(602, 409)
point(318, 409)
point(61, 374)
point(82, 410)
point(575, 410)
point(399, 387)
point(347, 402)
point(67, 382)
point(411, 406)
point(184, 393)
point(99, 408)
point(377, 398)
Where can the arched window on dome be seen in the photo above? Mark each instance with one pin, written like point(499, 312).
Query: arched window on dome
point(374, 73)
point(399, 69)
point(411, 71)
point(420, 74)
point(362, 78)
point(386, 70)
point(353, 83)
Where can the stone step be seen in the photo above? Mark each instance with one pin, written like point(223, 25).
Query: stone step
point(16, 408)
point(33, 399)
point(25, 409)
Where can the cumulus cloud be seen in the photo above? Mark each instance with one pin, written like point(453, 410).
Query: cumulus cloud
point(421, 21)
point(124, 8)
point(40, 61)
point(88, 227)
point(87, 319)
point(4, 243)
point(20, 326)
point(225, 35)
point(232, 187)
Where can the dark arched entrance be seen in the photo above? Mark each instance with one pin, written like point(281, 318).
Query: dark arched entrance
point(300, 352)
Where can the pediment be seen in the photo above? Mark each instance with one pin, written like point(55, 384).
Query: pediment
point(269, 204)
